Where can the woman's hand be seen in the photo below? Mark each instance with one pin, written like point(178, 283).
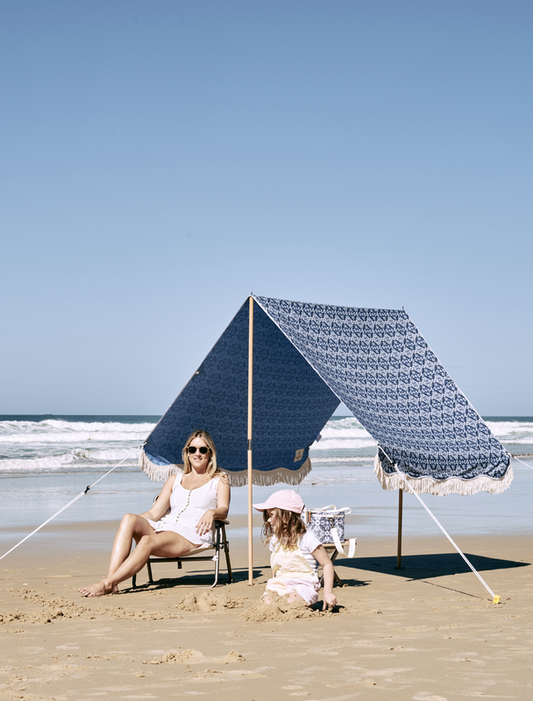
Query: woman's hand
point(205, 524)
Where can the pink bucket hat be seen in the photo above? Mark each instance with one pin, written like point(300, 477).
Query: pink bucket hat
point(285, 499)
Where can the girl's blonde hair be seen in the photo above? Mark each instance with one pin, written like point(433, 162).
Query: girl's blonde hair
point(212, 467)
point(288, 528)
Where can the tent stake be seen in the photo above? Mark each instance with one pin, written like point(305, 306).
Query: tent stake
point(400, 520)
point(250, 388)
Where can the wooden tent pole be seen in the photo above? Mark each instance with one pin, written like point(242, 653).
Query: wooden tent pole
point(400, 519)
point(250, 388)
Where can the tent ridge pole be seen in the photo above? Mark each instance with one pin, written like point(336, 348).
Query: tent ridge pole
point(400, 522)
point(249, 449)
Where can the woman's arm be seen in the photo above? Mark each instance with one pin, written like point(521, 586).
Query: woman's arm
point(322, 558)
point(205, 524)
point(162, 503)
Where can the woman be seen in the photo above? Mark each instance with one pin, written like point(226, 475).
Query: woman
point(196, 498)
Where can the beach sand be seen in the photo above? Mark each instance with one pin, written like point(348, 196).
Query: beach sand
point(427, 632)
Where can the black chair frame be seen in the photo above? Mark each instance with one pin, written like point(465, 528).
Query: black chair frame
point(221, 544)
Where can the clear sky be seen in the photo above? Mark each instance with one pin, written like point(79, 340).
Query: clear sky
point(161, 160)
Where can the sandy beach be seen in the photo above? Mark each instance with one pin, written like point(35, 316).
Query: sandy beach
point(427, 632)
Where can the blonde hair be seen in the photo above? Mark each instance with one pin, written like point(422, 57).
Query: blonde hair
point(288, 528)
point(212, 467)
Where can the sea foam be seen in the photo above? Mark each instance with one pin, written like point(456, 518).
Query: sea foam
point(60, 444)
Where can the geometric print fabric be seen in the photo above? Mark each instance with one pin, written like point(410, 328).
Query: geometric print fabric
point(378, 364)
point(309, 357)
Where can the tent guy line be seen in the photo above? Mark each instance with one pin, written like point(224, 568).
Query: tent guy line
point(495, 597)
point(521, 461)
point(64, 508)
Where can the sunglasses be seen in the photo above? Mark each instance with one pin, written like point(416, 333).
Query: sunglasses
point(191, 449)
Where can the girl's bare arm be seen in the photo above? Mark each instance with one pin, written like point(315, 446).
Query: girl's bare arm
point(322, 558)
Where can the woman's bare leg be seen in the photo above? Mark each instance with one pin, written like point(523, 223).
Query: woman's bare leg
point(164, 544)
point(132, 527)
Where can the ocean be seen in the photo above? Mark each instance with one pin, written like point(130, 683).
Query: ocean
point(45, 461)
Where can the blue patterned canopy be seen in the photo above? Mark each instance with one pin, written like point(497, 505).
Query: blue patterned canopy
point(309, 357)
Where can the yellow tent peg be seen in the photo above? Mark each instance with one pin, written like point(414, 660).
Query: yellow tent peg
point(496, 599)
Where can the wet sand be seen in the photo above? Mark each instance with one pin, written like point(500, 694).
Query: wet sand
point(428, 632)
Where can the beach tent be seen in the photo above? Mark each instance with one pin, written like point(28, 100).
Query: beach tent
point(279, 371)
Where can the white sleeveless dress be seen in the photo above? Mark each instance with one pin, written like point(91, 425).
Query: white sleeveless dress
point(187, 506)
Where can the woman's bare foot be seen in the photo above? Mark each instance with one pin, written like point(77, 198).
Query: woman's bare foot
point(99, 589)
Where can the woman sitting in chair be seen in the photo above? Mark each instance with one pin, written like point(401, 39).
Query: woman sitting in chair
point(196, 498)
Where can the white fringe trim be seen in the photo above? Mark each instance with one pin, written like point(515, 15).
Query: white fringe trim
point(267, 479)
point(439, 488)
point(160, 473)
point(157, 473)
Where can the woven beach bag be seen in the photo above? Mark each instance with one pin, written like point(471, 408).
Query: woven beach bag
point(327, 523)
point(322, 522)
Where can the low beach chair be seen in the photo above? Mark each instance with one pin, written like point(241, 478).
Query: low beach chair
point(202, 554)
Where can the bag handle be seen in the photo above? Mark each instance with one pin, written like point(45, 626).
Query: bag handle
point(332, 507)
point(351, 544)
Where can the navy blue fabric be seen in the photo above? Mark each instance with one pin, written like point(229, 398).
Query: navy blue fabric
point(291, 403)
point(378, 364)
point(307, 357)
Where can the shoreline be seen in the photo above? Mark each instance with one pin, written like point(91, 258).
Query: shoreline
point(27, 502)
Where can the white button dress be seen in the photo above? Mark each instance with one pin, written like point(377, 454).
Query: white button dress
point(187, 506)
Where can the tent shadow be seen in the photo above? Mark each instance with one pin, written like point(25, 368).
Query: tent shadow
point(428, 566)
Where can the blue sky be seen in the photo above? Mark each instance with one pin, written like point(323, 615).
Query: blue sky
point(161, 160)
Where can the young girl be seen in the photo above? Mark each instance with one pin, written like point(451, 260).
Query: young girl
point(296, 552)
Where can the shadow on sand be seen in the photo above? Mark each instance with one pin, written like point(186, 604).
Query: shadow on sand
point(427, 566)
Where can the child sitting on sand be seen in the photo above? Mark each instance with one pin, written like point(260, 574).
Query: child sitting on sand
point(296, 552)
